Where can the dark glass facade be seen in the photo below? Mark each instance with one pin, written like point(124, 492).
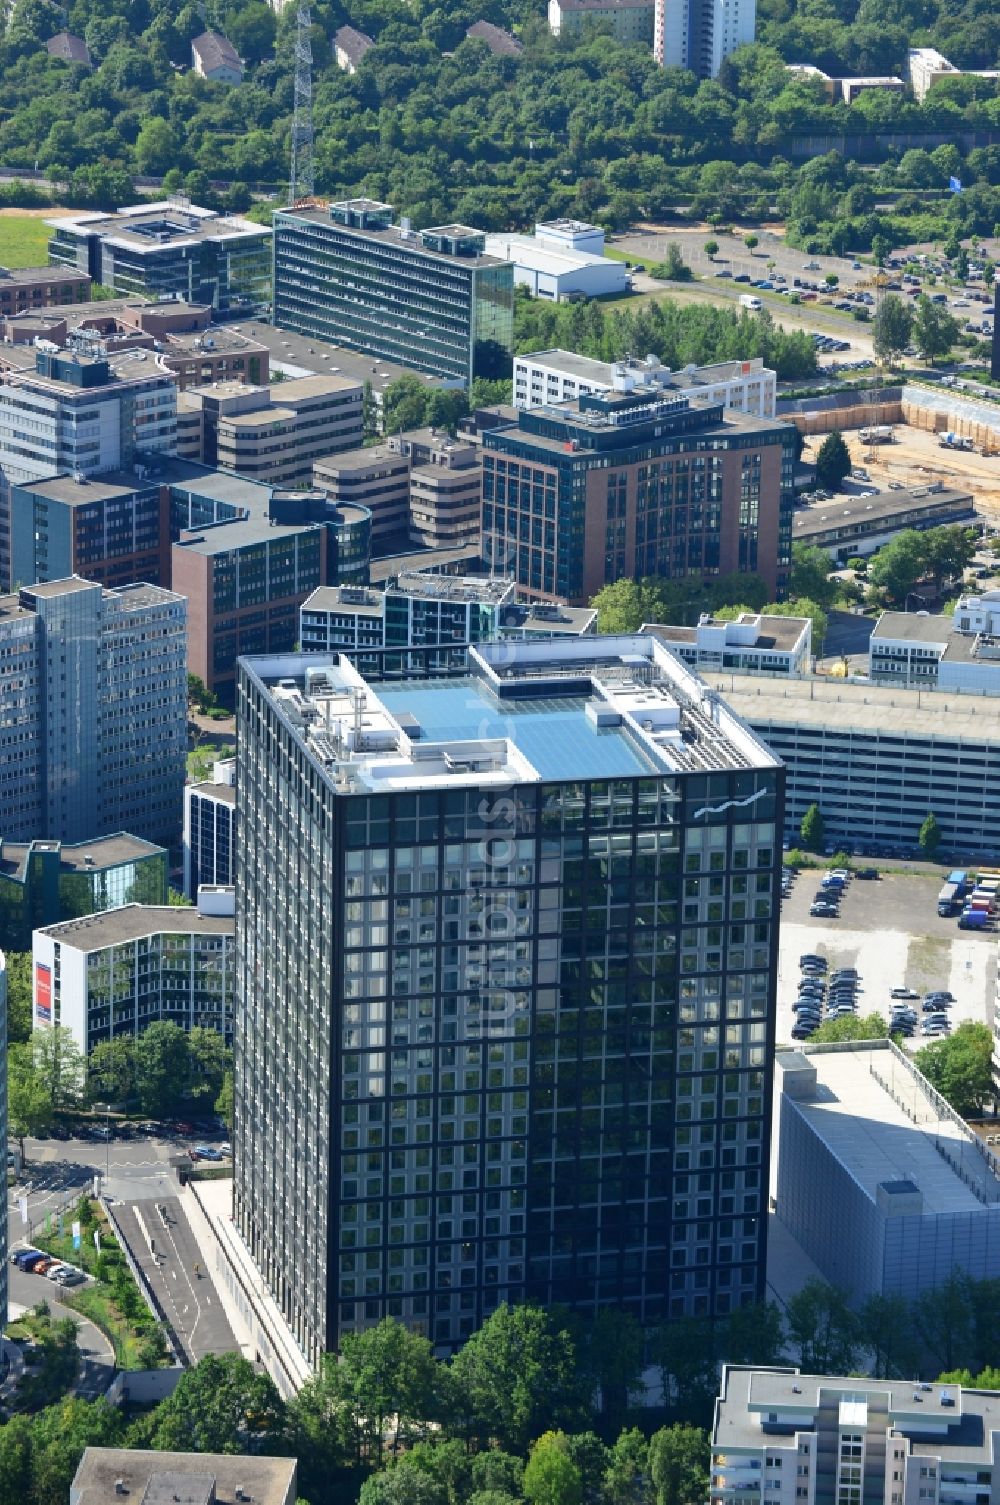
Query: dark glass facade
point(404, 297)
point(45, 882)
point(499, 1044)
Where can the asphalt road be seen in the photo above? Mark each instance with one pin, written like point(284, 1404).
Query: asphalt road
point(97, 1358)
point(165, 1250)
point(847, 636)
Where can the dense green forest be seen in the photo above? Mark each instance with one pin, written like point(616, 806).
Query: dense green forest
point(436, 124)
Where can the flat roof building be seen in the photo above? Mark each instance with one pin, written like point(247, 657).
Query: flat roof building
point(754, 643)
point(876, 760)
point(209, 829)
point(26, 290)
point(936, 652)
point(115, 973)
point(630, 20)
point(270, 434)
point(848, 525)
point(171, 249)
point(161, 1478)
point(366, 804)
point(627, 484)
point(43, 882)
point(886, 1189)
point(113, 528)
point(552, 376)
point(432, 300)
point(701, 35)
point(556, 271)
point(93, 738)
point(810, 1438)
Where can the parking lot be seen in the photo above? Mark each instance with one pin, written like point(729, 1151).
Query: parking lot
point(890, 931)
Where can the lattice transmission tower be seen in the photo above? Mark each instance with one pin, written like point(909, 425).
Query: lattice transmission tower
point(302, 182)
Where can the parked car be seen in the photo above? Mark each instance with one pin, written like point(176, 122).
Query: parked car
point(18, 1256)
point(870, 874)
point(68, 1275)
point(207, 1152)
point(903, 993)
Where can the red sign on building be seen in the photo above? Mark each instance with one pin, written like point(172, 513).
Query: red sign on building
point(43, 992)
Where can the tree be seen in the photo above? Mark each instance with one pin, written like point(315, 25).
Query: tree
point(899, 564)
point(161, 1067)
point(517, 1376)
point(885, 1322)
point(934, 329)
point(948, 551)
point(811, 829)
point(960, 1067)
point(551, 1477)
point(224, 1103)
point(384, 1371)
point(674, 269)
point(751, 242)
point(495, 1471)
point(60, 1065)
point(111, 1070)
point(251, 29)
point(19, 999)
point(679, 1458)
point(755, 1334)
point(881, 246)
point(824, 1329)
point(207, 1057)
point(627, 1480)
point(929, 838)
point(405, 1483)
point(943, 1317)
point(157, 147)
point(831, 279)
point(893, 327)
point(29, 1103)
point(810, 572)
point(833, 463)
point(613, 1355)
point(686, 1350)
point(851, 1027)
point(711, 249)
point(199, 695)
point(222, 1405)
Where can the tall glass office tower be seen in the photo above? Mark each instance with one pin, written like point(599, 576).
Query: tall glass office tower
point(506, 955)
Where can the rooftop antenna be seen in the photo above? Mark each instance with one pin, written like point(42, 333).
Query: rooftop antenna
point(302, 180)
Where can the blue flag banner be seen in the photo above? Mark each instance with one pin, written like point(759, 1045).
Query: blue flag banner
point(955, 184)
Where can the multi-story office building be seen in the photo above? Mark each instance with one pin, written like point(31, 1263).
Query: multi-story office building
point(960, 652)
point(93, 725)
point(43, 882)
point(209, 830)
point(416, 611)
point(270, 436)
point(630, 20)
point(428, 611)
point(245, 582)
point(378, 479)
point(172, 249)
point(548, 376)
point(506, 957)
point(113, 528)
point(24, 290)
point(802, 1439)
point(754, 643)
point(700, 34)
point(886, 1189)
point(876, 760)
point(118, 972)
point(634, 483)
point(430, 299)
point(75, 415)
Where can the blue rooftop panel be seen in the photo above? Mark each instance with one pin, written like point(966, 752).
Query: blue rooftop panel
point(553, 734)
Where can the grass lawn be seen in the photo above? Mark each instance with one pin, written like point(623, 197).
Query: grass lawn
point(24, 241)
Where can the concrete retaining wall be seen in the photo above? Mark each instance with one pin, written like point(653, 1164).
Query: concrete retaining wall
point(143, 1387)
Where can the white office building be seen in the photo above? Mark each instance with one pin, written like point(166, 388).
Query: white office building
point(880, 1182)
point(543, 377)
point(803, 1439)
point(209, 840)
point(553, 270)
point(116, 973)
point(925, 651)
point(754, 643)
point(700, 34)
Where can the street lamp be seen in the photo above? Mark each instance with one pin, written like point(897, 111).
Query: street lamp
point(107, 1143)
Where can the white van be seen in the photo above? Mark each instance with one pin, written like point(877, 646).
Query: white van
point(748, 300)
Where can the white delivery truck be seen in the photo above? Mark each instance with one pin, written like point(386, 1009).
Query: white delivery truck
point(748, 300)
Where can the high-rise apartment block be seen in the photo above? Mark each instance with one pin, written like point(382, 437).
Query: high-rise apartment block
point(118, 972)
point(700, 34)
point(506, 959)
point(638, 482)
point(43, 882)
point(430, 299)
point(3, 1127)
point(113, 528)
point(172, 249)
point(803, 1439)
point(93, 730)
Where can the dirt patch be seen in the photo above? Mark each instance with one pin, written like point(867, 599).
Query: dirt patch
point(917, 458)
point(36, 213)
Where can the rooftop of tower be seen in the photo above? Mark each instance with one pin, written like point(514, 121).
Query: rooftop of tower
point(525, 712)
